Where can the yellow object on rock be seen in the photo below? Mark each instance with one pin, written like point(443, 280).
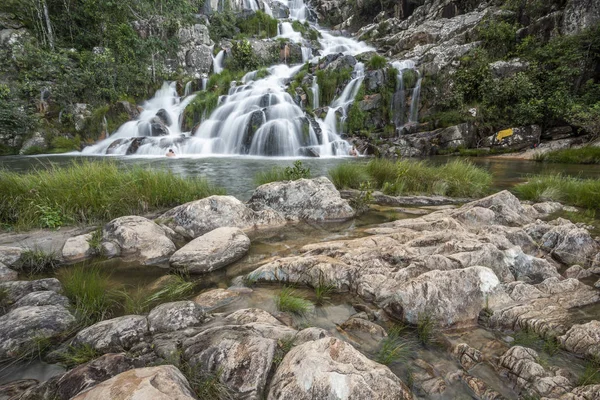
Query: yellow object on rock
point(505, 133)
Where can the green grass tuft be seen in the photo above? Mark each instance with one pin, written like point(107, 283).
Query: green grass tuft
point(80, 354)
point(323, 290)
point(591, 374)
point(583, 155)
point(425, 328)
point(95, 241)
point(569, 190)
point(175, 289)
point(283, 347)
point(394, 348)
point(348, 175)
point(89, 192)
point(278, 174)
point(37, 261)
point(287, 301)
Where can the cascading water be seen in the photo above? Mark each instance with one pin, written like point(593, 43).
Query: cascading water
point(188, 89)
point(398, 100)
point(414, 104)
point(257, 117)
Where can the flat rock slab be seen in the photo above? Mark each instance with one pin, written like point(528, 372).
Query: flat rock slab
point(415, 201)
point(211, 251)
point(157, 383)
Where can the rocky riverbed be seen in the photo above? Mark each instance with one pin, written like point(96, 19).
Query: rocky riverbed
point(504, 289)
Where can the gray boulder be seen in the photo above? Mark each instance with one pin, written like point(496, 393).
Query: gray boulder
point(139, 238)
point(175, 316)
point(7, 274)
point(21, 328)
point(10, 256)
point(211, 251)
point(37, 140)
point(77, 248)
point(583, 339)
point(42, 298)
point(330, 368)
point(515, 138)
point(314, 200)
point(165, 382)
point(216, 298)
point(17, 289)
point(113, 335)
point(202, 216)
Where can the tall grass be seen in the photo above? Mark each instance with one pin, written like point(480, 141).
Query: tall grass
point(287, 300)
point(277, 174)
point(457, 178)
point(574, 191)
point(394, 348)
point(91, 291)
point(583, 155)
point(91, 192)
point(37, 261)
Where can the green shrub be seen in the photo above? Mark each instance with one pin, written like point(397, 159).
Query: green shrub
point(286, 301)
point(409, 78)
point(242, 56)
point(330, 81)
point(569, 190)
point(62, 144)
point(377, 62)
point(259, 25)
point(95, 241)
point(584, 155)
point(277, 174)
point(89, 192)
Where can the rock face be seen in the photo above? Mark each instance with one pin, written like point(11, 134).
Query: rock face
point(331, 368)
point(417, 266)
point(36, 141)
point(195, 50)
point(140, 238)
point(211, 251)
point(196, 218)
point(583, 339)
point(304, 199)
point(9, 256)
point(42, 298)
point(159, 383)
point(113, 335)
point(23, 326)
point(15, 290)
point(175, 316)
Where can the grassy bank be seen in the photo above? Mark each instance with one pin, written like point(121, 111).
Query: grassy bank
point(457, 178)
point(583, 155)
point(568, 190)
point(91, 192)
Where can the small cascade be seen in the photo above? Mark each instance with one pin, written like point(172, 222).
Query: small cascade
point(297, 10)
point(268, 10)
point(414, 104)
point(204, 82)
point(218, 62)
point(315, 91)
point(306, 54)
point(188, 89)
point(286, 31)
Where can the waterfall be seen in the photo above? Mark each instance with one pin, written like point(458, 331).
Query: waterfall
point(414, 104)
point(268, 10)
point(188, 89)
point(315, 92)
point(218, 62)
point(256, 117)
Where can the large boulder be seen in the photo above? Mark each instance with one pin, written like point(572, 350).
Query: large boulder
point(42, 298)
point(77, 248)
point(10, 255)
point(139, 238)
point(202, 216)
point(113, 335)
point(18, 289)
point(21, 328)
point(211, 251)
point(330, 368)
point(304, 199)
point(165, 382)
point(515, 138)
point(175, 316)
point(583, 339)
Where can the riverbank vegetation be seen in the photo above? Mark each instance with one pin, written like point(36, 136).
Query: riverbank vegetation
point(91, 192)
point(276, 174)
point(565, 189)
point(583, 155)
point(457, 178)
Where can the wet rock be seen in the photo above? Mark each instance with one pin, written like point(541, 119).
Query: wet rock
point(583, 339)
point(332, 368)
point(578, 272)
point(164, 116)
point(94, 372)
point(139, 238)
point(23, 326)
point(13, 389)
point(480, 388)
point(77, 248)
point(213, 250)
point(426, 380)
point(242, 353)
point(10, 256)
point(17, 289)
point(113, 335)
point(467, 356)
point(7, 274)
point(216, 298)
point(165, 382)
point(42, 298)
point(174, 316)
point(251, 315)
point(521, 367)
point(304, 199)
point(196, 218)
point(157, 128)
point(365, 326)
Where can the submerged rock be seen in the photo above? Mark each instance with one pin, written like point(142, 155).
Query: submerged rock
point(331, 368)
point(23, 327)
point(196, 218)
point(303, 199)
point(165, 382)
point(211, 251)
point(140, 238)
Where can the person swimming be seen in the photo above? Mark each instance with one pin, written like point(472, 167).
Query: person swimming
point(353, 151)
point(170, 153)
